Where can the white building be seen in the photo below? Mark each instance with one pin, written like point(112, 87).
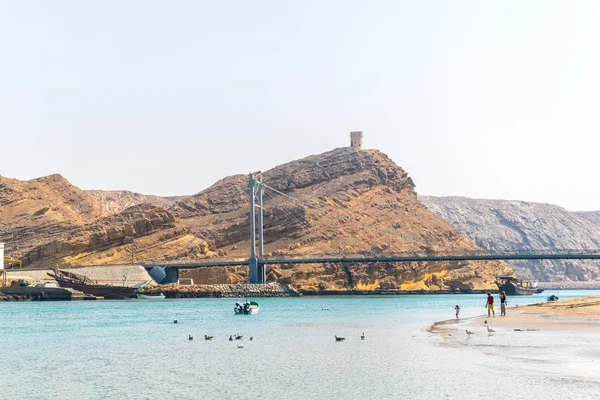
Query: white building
point(356, 140)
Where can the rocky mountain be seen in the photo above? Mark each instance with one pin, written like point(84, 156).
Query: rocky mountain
point(343, 201)
point(36, 211)
point(115, 201)
point(505, 225)
point(591, 216)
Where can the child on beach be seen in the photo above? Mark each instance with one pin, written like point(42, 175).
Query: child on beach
point(457, 309)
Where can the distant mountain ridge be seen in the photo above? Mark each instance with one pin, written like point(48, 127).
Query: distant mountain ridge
point(506, 225)
point(115, 201)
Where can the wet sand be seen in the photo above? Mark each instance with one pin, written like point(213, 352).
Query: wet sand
point(580, 314)
point(539, 336)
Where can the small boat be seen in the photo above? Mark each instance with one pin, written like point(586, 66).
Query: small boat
point(159, 296)
point(552, 298)
point(513, 286)
point(249, 307)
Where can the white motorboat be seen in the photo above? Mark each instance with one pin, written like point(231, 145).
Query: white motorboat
point(248, 308)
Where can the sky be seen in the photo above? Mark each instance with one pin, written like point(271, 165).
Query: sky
point(481, 99)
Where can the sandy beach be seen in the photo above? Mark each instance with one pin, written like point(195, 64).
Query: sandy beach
point(543, 337)
point(572, 314)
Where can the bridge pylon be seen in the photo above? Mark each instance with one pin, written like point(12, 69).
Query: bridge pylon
point(257, 266)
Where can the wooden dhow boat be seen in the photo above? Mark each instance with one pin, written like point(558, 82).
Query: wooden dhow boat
point(83, 284)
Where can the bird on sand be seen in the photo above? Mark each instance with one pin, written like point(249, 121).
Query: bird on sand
point(238, 337)
point(363, 336)
point(240, 346)
point(190, 337)
point(206, 337)
point(176, 321)
point(251, 338)
point(469, 332)
point(487, 325)
point(230, 338)
point(339, 339)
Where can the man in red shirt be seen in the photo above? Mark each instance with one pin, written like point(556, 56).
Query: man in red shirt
point(490, 304)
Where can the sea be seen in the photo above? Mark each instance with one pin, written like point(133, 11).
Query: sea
point(133, 350)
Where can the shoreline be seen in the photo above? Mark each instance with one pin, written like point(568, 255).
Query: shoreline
point(557, 315)
point(536, 337)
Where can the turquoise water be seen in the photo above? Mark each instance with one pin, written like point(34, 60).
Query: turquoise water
point(132, 350)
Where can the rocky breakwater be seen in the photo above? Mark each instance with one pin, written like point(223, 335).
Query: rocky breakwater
point(175, 291)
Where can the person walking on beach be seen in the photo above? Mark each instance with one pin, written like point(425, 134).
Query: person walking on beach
point(457, 309)
point(490, 305)
point(502, 304)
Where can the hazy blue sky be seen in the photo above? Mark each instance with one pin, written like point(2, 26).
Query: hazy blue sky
point(492, 99)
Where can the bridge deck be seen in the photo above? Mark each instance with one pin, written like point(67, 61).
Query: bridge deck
point(590, 255)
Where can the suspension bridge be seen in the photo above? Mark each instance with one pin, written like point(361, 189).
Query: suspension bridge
point(257, 260)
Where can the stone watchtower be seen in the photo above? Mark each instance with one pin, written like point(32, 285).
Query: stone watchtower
point(356, 140)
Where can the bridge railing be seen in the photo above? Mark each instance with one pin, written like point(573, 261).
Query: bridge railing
point(454, 253)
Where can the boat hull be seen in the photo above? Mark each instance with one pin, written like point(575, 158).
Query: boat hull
point(252, 311)
point(106, 291)
point(513, 290)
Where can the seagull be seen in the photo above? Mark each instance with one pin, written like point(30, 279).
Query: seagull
point(176, 321)
point(206, 337)
point(238, 337)
point(240, 347)
point(489, 328)
point(251, 338)
point(363, 337)
point(230, 338)
point(469, 332)
point(190, 337)
point(339, 339)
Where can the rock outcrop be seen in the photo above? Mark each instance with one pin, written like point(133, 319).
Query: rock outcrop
point(591, 216)
point(504, 225)
point(115, 201)
point(40, 210)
